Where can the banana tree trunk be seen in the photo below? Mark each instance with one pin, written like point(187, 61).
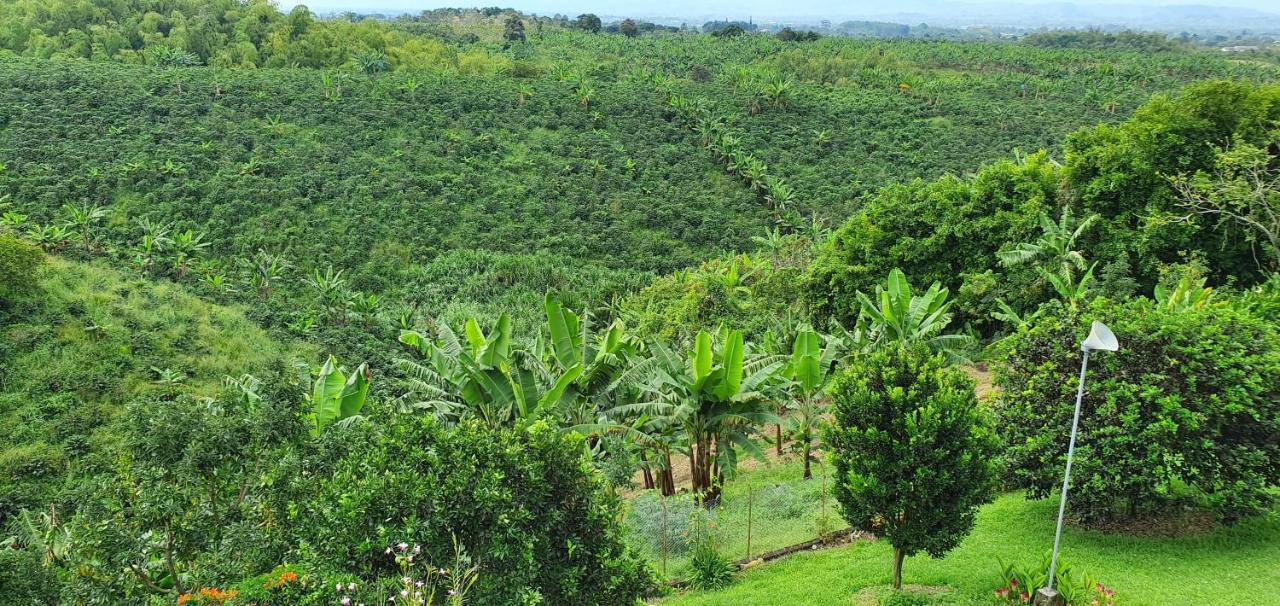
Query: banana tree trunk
point(648, 473)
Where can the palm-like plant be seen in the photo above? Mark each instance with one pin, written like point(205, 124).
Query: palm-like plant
point(264, 269)
point(83, 219)
point(898, 316)
point(186, 245)
point(807, 372)
point(1055, 248)
point(523, 94)
point(337, 397)
point(1188, 294)
point(713, 396)
point(1068, 288)
point(155, 241)
point(331, 291)
point(485, 378)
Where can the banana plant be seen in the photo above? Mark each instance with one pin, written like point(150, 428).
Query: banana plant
point(1188, 294)
point(714, 395)
point(595, 359)
point(807, 372)
point(335, 396)
point(898, 316)
point(484, 378)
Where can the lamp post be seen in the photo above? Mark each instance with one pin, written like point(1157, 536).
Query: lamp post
point(1100, 339)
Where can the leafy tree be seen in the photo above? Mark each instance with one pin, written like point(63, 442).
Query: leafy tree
point(912, 451)
point(588, 22)
point(956, 226)
point(1242, 197)
point(525, 502)
point(513, 29)
point(629, 28)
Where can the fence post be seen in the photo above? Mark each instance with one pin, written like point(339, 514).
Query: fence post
point(750, 495)
point(663, 500)
point(822, 469)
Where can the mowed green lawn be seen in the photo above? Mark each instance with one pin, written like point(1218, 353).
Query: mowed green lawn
point(1230, 566)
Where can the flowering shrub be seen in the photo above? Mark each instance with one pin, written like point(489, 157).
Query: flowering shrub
point(1019, 584)
point(207, 596)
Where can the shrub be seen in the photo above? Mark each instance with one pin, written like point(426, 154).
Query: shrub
point(1018, 584)
point(708, 568)
point(523, 502)
point(911, 449)
point(18, 263)
point(1191, 399)
point(25, 579)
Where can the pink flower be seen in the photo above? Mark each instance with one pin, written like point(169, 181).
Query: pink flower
point(1002, 592)
point(403, 546)
point(346, 601)
point(1013, 583)
point(1025, 597)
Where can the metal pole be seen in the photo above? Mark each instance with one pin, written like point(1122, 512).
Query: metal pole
point(1066, 477)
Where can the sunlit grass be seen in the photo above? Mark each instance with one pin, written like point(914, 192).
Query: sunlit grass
point(1225, 567)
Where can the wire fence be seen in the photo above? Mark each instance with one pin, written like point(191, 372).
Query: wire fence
point(756, 514)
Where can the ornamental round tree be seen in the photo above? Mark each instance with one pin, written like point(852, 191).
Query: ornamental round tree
point(912, 451)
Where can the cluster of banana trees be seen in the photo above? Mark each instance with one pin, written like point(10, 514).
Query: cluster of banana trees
point(710, 404)
point(726, 145)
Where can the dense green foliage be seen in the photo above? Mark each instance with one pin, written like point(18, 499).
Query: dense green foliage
point(18, 263)
point(1186, 408)
point(951, 229)
point(911, 451)
point(525, 502)
point(603, 249)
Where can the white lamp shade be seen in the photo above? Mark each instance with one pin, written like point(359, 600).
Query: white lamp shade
point(1100, 338)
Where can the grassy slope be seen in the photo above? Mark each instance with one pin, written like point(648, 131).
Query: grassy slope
point(1222, 568)
point(86, 346)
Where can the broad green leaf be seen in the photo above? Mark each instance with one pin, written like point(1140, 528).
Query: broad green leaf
point(562, 324)
point(354, 392)
point(702, 356)
point(326, 393)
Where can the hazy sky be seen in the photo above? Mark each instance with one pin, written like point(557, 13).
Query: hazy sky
point(736, 8)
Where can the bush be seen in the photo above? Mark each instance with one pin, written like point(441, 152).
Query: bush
point(911, 449)
point(18, 263)
point(523, 502)
point(1191, 399)
point(25, 580)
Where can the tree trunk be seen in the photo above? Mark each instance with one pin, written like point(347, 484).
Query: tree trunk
point(808, 473)
point(664, 474)
point(648, 473)
point(898, 555)
point(778, 438)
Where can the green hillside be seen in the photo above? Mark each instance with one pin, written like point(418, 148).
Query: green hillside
point(88, 341)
